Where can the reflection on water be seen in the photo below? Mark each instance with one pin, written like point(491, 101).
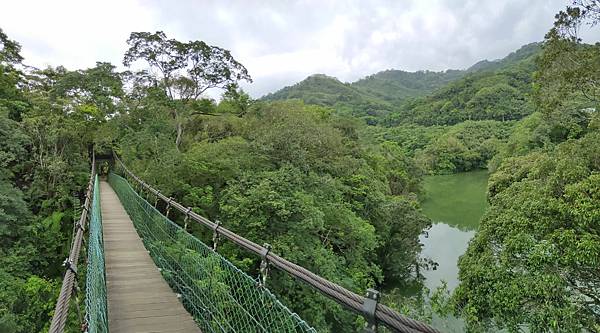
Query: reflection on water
point(444, 245)
point(455, 204)
point(457, 200)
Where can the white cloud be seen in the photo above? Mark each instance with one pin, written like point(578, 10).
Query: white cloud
point(281, 42)
point(74, 33)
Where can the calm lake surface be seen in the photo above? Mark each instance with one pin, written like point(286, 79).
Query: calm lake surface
point(454, 203)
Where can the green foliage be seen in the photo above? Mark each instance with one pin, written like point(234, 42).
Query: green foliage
point(183, 70)
point(538, 244)
point(534, 261)
point(371, 98)
point(523, 53)
point(328, 192)
point(410, 137)
point(94, 91)
point(187, 69)
point(235, 101)
point(347, 99)
point(26, 304)
point(464, 147)
point(498, 92)
point(215, 292)
point(13, 212)
point(395, 86)
point(47, 120)
point(9, 50)
point(302, 179)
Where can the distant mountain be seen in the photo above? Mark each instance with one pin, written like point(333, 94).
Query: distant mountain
point(492, 90)
point(395, 86)
point(325, 90)
point(523, 53)
point(387, 93)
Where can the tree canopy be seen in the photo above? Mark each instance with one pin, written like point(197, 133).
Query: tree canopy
point(329, 173)
point(534, 261)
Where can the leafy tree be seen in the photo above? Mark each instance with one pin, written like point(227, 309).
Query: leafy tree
point(184, 70)
point(11, 97)
point(95, 91)
point(534, 261)
point(570, 78)
point(500, 102)
point(235, 101)
point(43, 166)
point(446, 149)
point(9, 50)
point(302, 179)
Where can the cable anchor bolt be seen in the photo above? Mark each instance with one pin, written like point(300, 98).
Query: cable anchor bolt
point(187, 217)
point(264, 265)
point(215, 238)
point(69, 265)
point(168, 206)
point(369, 308)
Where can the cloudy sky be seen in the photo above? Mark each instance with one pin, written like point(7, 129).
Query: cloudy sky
point(281, 41)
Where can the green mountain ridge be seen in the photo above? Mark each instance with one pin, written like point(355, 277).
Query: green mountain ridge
point(524, 52)
point(496, 90)
point(395, 86)
point(388, 93)
point(325, 90)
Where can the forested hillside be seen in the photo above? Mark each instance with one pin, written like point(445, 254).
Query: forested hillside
point(328, 173)
point(328, 91)
point(395, 86)
point(493, 90)
point(370, 98)
point(534, 260)
point(462, 125)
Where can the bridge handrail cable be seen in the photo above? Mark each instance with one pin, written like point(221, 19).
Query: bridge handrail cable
point(61, 310)
point(383, 314)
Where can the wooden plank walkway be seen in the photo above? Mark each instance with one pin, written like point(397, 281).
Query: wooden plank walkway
point(139, 299)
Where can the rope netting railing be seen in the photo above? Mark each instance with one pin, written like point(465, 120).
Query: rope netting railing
point(220, 297)
point(95, 286)
point(69, 284)
point(374, 312)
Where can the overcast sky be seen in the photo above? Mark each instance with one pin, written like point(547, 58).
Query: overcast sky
point(282, 42)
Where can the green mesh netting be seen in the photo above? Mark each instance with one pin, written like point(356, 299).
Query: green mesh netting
point(221, 297)
point(95, 298)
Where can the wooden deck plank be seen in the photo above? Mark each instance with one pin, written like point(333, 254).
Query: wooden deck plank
point(139, 299)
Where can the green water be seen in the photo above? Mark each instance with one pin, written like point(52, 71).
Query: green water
point(454, 203)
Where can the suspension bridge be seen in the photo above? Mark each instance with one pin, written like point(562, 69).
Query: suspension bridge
point(145, 273)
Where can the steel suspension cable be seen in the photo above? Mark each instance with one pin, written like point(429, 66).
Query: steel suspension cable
point(383, 314)
point(61, 310)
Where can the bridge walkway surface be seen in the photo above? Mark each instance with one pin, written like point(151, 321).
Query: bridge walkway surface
point(139, 299)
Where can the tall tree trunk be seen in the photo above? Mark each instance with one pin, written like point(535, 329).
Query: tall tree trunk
point(178, 126)
point(179, 133)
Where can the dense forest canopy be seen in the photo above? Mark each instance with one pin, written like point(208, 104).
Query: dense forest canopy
point(328, 173)
point(534, 260)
